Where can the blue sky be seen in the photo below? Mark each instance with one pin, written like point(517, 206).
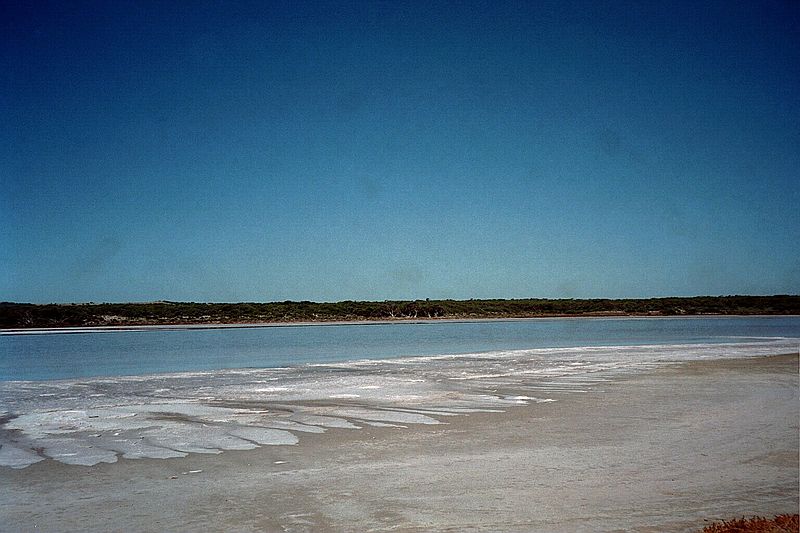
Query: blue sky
point(238, 151)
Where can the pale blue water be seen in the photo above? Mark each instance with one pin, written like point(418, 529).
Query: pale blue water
point(86, 398)
point(115, 353)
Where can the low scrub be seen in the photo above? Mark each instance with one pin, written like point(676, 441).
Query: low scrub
point(780, 524)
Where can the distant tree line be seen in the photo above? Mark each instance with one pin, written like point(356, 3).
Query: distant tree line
point(21, 315)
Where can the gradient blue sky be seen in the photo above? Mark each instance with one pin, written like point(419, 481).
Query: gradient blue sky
point(260, 151)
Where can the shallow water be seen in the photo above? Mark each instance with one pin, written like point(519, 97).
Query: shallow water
point(60, 355)
point(340, 377)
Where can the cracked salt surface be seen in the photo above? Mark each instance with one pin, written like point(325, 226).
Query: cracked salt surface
point(92, 421)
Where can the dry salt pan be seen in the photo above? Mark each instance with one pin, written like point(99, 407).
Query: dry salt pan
point(94, 421)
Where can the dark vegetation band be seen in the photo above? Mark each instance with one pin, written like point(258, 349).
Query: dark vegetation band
point(20, 315)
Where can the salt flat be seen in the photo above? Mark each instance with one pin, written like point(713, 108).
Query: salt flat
point(659, 450)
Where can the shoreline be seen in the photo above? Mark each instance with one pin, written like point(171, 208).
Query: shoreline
point(662, 450)
point(172, 313)
point(179, 326)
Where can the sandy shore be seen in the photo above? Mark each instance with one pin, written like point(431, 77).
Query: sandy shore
point(658, 451)
point(363, 322)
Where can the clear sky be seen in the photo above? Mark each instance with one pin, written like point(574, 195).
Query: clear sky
point(262, 151)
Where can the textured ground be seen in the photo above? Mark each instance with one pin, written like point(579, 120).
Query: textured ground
point(662, 450)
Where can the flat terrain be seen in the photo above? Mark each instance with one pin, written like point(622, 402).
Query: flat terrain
point(22, 315)
point(659, 451)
